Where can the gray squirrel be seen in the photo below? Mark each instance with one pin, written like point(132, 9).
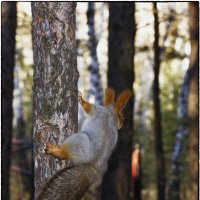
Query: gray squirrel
point(89, 149)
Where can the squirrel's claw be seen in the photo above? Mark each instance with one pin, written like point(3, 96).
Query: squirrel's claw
point(49, 148)
point(80, 99)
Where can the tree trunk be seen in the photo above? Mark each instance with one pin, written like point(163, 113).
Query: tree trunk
point(22, 158)
point(193, 97)
point(174, 179)
point(160, 161)
point(8, 29)
point(95, 85)
point(55, 83)
point(117, 181)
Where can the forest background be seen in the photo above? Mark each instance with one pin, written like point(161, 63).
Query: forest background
point(175, 26)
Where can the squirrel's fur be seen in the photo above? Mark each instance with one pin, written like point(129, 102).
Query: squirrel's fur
point(89, 149)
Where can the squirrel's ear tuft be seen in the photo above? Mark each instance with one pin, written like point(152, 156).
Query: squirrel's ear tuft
point(120, 105)
point(109, 96)
point(122, 100)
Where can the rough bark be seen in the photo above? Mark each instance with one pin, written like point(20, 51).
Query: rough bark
point(95, 85)
point(160, 161)
point(117, 180)
point(8, 29)
point(193, 97)
point(55, 84)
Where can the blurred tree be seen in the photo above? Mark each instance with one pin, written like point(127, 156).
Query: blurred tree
point(174, 179)
point(160, 160)
point(22, 183)
point(95, 85)
point(193, 97)
point(117, 180)
point(22, 157)
point(55, 84)
point(95, 89)
point(8, 29)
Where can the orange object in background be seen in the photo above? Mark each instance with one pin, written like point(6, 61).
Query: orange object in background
point(135, 163)
point(136, 172)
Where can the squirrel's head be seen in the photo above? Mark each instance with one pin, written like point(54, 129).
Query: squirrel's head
point(119, 104)
point(109, 99)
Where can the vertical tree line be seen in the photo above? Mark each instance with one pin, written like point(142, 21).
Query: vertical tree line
point(160, 161)
point(193, 97)
point(95, 84)
point(117, 181)
point(8, 30)
point(174, 179)
point(22, 158)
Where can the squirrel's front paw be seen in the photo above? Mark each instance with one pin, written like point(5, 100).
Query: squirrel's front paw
point(50, 148)
point(56, 151)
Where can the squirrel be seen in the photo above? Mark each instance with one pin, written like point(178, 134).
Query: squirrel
point(89, 149)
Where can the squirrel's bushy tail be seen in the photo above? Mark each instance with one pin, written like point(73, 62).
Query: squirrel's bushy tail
point(69, 184)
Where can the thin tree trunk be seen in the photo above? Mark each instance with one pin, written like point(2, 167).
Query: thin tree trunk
point(95, 85)
point(193, 97)
point(95, 89)
point(55, 83)
point(8, 29)
point(160, 161)
point(20, 126)
point(174, 179)
point(117, 181)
